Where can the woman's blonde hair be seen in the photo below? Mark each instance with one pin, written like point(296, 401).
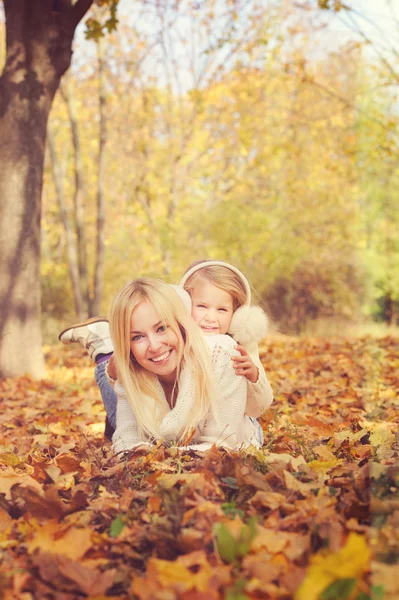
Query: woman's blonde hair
point(223, 278)
point(142, 387)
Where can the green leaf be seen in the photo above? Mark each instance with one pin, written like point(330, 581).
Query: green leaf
point(116, 527)
point(237, 592)
point(231, 548)
point(377, 593)
point(226, 543)
point(341, 588)
point(230, 482)
point(230, 509)
point(247, 534)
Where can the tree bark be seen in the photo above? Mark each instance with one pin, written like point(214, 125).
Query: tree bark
point(70, 242)
point(68, 95)
point(39, 38)
point(100, 238)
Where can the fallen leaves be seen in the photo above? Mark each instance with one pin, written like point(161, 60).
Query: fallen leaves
point(189, 573)
point(68, 541)
point(68, 575)
point(301, 518)
point(10, 478)
point(349, 563)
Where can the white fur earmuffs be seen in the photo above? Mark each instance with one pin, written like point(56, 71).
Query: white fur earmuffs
point(249, 324)
point(183, 295)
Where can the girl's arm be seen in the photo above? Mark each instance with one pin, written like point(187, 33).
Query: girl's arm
point(126, 436)
point(260, 394)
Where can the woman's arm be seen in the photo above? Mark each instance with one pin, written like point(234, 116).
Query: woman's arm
point(126, 436)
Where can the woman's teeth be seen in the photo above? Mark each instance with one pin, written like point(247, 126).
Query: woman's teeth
point(162, 357)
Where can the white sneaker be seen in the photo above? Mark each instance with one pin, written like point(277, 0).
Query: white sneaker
point(92, 334)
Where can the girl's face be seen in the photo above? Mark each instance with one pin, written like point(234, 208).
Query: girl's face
point(153, 343)
point(212, 307)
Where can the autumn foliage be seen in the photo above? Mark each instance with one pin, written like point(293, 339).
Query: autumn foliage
point(246, 134)
point(312, 516)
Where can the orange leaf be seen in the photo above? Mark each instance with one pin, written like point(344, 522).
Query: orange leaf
point(10, 478)
point(68, 541)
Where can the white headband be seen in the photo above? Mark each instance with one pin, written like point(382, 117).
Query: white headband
point(218, 263)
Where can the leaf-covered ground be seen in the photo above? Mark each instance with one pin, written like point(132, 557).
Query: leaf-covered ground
point(313, 515)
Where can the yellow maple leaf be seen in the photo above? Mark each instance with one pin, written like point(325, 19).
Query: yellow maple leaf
point(172, 573)
point(382, 436)
point(177, 575)
point(322, 466)
point(351, 561)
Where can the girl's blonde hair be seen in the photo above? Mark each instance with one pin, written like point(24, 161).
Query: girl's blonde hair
point(142, 387)
point(223, 278)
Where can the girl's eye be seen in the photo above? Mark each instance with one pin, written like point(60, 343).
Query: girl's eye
point(222, 310)
point(201, 306)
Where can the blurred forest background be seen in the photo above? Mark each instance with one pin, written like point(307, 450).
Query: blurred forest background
point(261, 134)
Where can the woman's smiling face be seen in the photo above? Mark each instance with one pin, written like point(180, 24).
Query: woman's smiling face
point(155, 346)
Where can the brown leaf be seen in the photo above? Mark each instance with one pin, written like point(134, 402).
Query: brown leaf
point(271, 500)
point(73, 575)
point(297, 485)
point(68, 463)
point(261, 567)
point(41, 506)
point(10, 478)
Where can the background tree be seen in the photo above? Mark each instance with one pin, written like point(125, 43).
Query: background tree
point(39, 39)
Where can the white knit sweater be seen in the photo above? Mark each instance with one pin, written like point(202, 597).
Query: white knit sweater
point(232, 428)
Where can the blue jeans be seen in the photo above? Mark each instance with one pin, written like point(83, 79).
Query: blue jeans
point(107, 393)
point(110, 400)
point(259, 431)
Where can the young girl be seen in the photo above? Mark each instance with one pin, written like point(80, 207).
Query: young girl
point(221, 304)
point(166, 375)
point(221, 299)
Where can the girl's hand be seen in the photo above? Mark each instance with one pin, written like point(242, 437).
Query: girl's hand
point(243, 365)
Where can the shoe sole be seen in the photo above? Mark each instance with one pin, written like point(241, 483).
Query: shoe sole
point(83, 323)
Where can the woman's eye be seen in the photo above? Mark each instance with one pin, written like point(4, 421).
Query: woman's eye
point(135, 338)
point(162, 328)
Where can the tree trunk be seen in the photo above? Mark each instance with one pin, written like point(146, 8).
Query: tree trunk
point(100, 241)
point(68, 95)
point(39, 38)
point(391, 312)
point(70, 242)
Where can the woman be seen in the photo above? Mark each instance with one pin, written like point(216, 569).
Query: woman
point(172, 382)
